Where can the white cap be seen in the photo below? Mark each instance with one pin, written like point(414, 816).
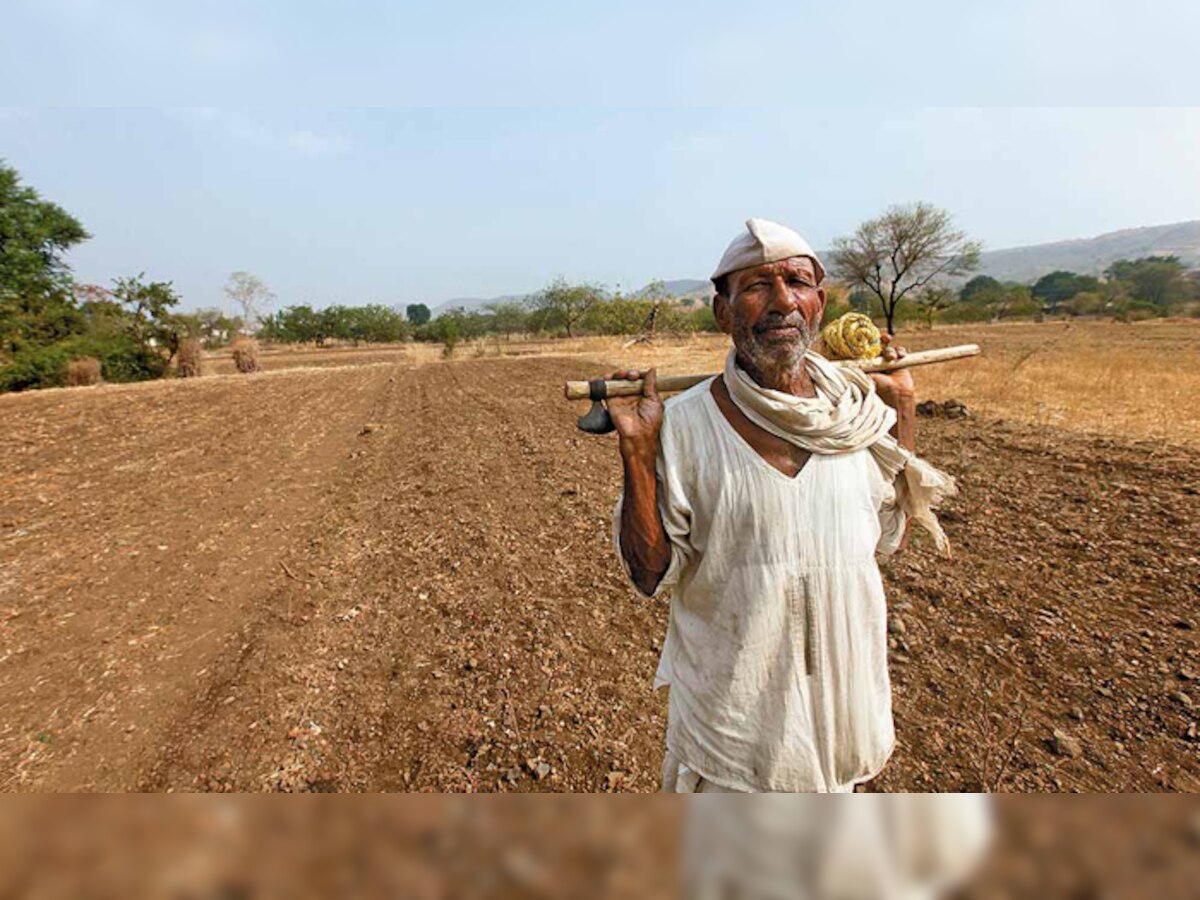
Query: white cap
point(764, 242)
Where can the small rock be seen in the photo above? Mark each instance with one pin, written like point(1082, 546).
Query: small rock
point(927, 408)
point(955, 409)
point(472, 664)
point(1065, 745)
point(1077, 714)
point(370, 428)
point(897, 626)
point(1182, 699)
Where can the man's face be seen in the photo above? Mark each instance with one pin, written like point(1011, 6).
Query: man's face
point(772, 312)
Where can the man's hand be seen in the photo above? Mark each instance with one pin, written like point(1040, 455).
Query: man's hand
point(638, 420)
point(892, 387)
point(896, 390)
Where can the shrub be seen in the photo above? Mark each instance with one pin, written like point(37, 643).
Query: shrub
point(83, 372)
point(245, 354)
point(190, 361)
point(37, 368)
point(1085, 303)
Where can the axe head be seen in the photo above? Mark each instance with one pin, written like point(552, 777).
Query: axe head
point(596, 420)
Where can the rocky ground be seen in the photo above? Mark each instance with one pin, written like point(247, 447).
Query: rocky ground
point(400, 578)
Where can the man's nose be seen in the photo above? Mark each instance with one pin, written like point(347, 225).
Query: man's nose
point(783, 300)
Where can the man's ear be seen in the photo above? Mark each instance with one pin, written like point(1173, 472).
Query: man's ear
point(722, 313)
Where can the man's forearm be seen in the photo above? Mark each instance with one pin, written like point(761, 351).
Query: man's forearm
point(905, 429)
point(644, 541)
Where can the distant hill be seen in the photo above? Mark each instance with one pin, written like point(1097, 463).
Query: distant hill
point(1087, 256)
point(1091, 256)
point(683, 287)
point(473, 303)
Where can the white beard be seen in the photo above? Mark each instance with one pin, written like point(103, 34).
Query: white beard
point(775, 363)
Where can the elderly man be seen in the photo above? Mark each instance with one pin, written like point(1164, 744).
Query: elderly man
point(762, 496)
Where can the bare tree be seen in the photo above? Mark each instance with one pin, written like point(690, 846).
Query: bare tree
point(656, 295)
point(251, 294)
point(903, 251)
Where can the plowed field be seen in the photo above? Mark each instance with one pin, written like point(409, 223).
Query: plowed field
point(401, 577)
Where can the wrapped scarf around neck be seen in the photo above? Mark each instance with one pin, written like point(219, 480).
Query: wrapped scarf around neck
point(849, 417)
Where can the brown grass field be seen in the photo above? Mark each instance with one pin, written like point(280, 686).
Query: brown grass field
point(230, 583)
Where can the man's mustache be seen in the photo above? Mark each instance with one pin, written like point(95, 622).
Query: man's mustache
point(775, 320)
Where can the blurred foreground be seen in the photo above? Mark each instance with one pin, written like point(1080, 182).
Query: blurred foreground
point(860, 846)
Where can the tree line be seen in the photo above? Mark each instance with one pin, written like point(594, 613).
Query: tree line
point(899, 267)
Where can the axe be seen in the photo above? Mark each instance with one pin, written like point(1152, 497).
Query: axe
point(597, 421)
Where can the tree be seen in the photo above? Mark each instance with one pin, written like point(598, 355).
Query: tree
point(1159, 280)
point(1014, 300)
point(978, 285)
point(36, 307)
point(150, 321)
point(1056, 288)
point(251, 294)
point(215, 328)
point(566, 305)
point(905, 250)
point(417, 314)
point(508, 317)
point(860, 301)
point(933, 300)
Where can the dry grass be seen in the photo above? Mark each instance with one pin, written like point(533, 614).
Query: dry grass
point(83, 372)
point(190, 361)
point(245, 355)
point(1139, 381)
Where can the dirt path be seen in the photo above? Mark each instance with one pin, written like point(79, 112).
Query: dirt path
point(435, 604)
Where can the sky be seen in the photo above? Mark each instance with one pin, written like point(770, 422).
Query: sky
point(360, 152)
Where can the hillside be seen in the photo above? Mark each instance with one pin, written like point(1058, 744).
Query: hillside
point(1091, 256)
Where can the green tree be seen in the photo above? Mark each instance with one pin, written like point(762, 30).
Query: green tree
point(860, 301)
point(976, 286)
point(36, 306)
point(906, 250)
point(566, 305)
point(150, 322)
point(215, 328)
point(417, 314)
point(933, 300)
point(1159, 280)
point(1057, 287)
point(508, 317)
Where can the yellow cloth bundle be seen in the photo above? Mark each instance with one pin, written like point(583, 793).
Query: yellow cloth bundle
point(852, 336)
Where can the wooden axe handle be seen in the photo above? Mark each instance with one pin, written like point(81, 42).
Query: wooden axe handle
point(671, 384)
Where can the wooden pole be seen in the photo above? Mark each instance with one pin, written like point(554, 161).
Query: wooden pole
point(672, 384)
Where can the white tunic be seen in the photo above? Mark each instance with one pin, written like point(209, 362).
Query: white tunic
point(776, 649)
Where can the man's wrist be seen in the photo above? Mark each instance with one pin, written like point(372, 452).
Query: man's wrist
point(639, 450)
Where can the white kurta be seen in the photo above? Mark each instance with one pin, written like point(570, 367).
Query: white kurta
point(776, 649)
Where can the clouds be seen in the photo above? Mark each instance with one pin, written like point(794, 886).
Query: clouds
point(258, 132)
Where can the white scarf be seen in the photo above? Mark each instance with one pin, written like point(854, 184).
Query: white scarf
point(849, 417)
